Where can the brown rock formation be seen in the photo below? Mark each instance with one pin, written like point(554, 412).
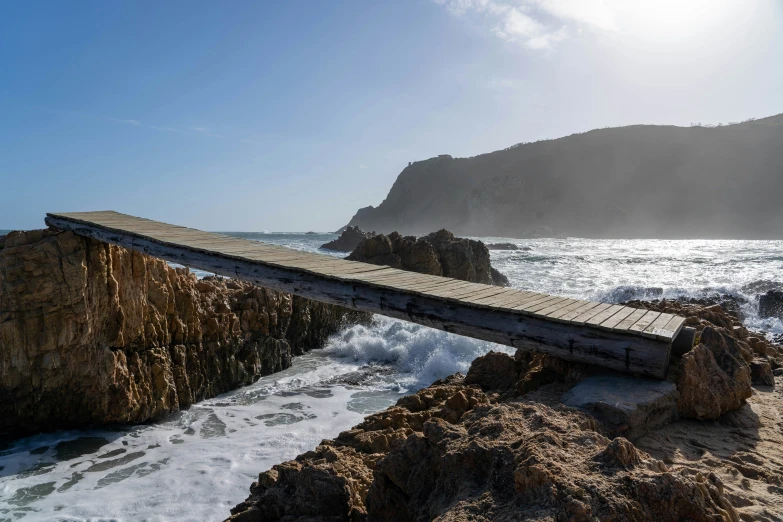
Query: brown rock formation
point(453, 452)
point(499, 445)
point(348, 240)
point(714, 377)
point(92, 333)
point(439, 253)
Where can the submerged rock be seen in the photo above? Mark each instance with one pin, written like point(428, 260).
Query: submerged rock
point(771, 304)
point(505, 246)
point(92, 333)
point(439, 253)
point(348, 240)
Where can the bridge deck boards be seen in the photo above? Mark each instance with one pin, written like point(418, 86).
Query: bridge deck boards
point(615, 336)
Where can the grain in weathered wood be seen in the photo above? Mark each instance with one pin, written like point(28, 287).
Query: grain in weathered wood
point(419, 287)
point(613, 321)
point(510, 295)
point(671, 329)
point(576, 312)
point(577, 303)
point(534, 308)
point(516, 299)
point(457, 291)
point(603, 316)
point(394, 280)
point(522, 299)
point(557, 306)
point(526, 306)
point(492, 291)
point(340, 269)
point(642, 324)
point(657, 326)
point(626, 323)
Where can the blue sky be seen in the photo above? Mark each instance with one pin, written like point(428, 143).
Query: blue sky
point(292, 115)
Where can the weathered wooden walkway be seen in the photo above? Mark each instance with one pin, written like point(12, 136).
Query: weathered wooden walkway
point(613, 336)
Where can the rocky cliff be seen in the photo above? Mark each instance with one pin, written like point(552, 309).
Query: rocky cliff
point(438, 253)
point(92, 333)
point(499, 444)
point(638, 181)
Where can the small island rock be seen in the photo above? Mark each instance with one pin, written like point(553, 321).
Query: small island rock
point(348, 240)
point(439, 253)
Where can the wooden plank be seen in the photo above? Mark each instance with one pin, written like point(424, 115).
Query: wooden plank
point(613, 321)
point(535, 302)
point(575, 305)
point(572, 314)
point(657, 326)
point(603, 316)
point(458, 292)
point(523, 299)
point(509, 296)
point(558, 306)
point(485, 312)
point(629, 321)
point(447, 288)
point(535, 307)
point(642, 324)
point(499, 293)
point(491, 291)
point(670, 330)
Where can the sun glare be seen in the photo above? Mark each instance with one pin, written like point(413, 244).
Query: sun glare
point(672, 20)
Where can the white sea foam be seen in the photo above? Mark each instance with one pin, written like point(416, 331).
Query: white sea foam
point(419, 355)
point(199, 463)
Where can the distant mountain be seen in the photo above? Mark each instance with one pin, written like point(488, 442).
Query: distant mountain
point(642, 181)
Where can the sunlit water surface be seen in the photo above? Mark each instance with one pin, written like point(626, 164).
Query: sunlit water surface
point(199, 463)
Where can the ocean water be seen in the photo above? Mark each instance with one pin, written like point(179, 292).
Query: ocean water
point(197, 464)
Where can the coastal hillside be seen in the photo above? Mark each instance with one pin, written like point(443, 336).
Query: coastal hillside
point(642, 181)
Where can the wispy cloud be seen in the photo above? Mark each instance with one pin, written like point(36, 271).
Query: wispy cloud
point(199, 130)
point(205, 131)
point(536, 24)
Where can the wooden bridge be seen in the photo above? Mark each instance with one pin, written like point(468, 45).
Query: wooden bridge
point(614, 336)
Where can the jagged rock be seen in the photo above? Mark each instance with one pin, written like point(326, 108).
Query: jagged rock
point(348, 240)
point(761, 372)
point(439, 253)
point(629, 406)
point(714, 376)
point(92, 333)
point(494, 371)
point(450, 452)
point(771, 304)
